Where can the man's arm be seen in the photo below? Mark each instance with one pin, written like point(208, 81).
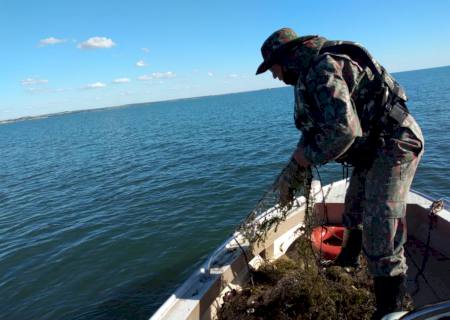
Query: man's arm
point(333, 112)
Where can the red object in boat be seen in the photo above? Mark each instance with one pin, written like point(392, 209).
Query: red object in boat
point(328, 241)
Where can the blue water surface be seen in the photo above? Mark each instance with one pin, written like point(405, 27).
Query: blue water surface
point(104, 213)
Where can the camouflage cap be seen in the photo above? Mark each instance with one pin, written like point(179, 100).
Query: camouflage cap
point(272, 45)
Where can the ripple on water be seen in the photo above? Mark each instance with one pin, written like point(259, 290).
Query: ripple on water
point(103, 214)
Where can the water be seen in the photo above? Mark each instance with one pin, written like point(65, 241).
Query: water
point(104, 213)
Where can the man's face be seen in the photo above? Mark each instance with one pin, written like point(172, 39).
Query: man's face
point(286, 76)
point(277, 72)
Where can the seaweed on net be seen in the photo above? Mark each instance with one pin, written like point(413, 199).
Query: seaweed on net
point(272, 209)
point(296, 286)
point(298, 289)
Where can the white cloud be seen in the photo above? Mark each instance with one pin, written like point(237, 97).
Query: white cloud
point(96, 85)
point(146, 50)
point(157, 75)
point(36, 90)
point(163, 75)
point(210, 74)
point(121, 80)
point(33, 81)
point(97, 43)
point(50, 41)
point(233, 75)
point(145, 77)
point(46, 90)
point(141, 63)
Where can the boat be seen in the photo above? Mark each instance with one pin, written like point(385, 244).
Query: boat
point(227, 268)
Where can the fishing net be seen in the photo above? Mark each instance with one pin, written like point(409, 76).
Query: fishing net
point(275, 205)
point(296, 286)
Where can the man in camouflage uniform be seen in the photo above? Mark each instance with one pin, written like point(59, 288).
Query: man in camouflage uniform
point(350, 110)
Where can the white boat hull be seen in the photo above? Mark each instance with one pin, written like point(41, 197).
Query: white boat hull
point(200, 296)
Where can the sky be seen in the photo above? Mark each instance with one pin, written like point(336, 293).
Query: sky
point(70, 55)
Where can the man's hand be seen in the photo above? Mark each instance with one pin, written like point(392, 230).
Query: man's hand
point(285, 183)
point(299, 156)
point(292, 178)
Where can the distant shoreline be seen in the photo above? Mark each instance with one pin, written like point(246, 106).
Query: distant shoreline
point(43, 116)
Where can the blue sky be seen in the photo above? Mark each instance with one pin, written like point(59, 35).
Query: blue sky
point(69, 55)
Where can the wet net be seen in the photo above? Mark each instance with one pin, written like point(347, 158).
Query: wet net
point(298, 285)
point(274, 206)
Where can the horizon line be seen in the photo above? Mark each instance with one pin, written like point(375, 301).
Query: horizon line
point(46, 115)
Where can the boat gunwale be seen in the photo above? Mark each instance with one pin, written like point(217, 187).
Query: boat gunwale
point(219, 277)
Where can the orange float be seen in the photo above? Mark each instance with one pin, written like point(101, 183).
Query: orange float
point(328, 241)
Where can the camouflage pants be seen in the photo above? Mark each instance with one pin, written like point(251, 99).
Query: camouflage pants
point(376, 202)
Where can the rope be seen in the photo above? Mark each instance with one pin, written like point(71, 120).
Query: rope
point(345, 168)
point(435, 207)
point(246, 261)
point(325, 208)
point(416, 281)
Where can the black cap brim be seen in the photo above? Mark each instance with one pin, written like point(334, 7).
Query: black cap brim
point(263, 67)
point(267, 64)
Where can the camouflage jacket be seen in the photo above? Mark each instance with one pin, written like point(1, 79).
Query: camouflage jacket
point(335, 102)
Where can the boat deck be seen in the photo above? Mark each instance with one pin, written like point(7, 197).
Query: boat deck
point(433, 285)
point(201, 295)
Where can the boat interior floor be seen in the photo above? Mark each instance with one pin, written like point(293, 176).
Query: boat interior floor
point(431, 283)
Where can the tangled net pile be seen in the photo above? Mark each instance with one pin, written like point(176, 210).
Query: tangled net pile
point(297, 286)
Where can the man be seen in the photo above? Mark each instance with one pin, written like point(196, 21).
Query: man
point(350, 110)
